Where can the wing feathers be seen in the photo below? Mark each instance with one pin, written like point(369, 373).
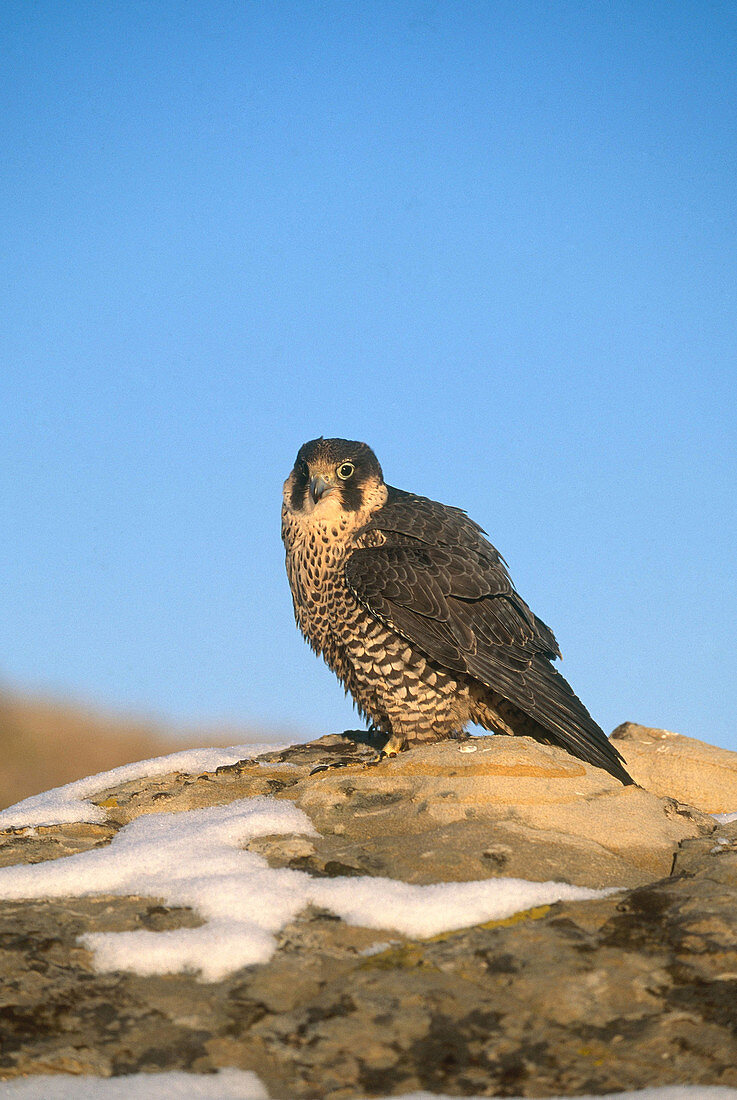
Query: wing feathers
point(444, 588)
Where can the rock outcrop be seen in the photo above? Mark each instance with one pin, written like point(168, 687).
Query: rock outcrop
point(675, 766)
point(634, 988)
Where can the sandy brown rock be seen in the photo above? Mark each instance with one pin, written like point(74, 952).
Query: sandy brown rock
point(458, 852)
point(638, 988)
point(51, 841)
point(671, 765)
point(534, 805)
point(439, 813)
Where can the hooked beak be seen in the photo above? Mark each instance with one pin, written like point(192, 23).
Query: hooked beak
point(319, 487)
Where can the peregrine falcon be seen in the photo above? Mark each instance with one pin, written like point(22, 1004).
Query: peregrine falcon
point(415, 613)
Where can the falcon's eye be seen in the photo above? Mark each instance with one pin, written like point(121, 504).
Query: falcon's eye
point(345, 470)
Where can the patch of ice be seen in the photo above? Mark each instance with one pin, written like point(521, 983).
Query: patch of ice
point(726, 818)
point(226, 1084)
point(67, 804)
point(195, 859)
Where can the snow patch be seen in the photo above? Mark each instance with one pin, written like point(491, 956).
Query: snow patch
point(726, 818)
point(235, 1084)
point(67, 804)
point(226, 1084)
point(195, 859)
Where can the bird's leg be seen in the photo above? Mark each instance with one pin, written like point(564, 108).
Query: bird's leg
point(395, 744)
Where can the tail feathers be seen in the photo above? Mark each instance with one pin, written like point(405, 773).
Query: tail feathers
point(592, 746)
point(558, 717)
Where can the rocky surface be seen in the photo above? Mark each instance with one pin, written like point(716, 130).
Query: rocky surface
point(633, 989)
point(681, 767)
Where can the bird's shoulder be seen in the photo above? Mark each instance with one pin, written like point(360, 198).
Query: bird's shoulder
point(420, 553)
point(408, 516)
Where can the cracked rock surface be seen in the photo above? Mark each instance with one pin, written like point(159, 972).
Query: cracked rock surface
point(635, 989)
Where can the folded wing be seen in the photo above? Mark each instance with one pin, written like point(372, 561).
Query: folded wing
point(440, 585)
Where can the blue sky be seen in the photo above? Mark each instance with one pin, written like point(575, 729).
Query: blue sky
point(495, 240)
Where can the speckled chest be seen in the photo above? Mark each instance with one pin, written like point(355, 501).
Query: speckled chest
point(326, 610)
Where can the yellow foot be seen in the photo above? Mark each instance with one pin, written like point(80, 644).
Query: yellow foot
point(382, 754)
point(394, 745)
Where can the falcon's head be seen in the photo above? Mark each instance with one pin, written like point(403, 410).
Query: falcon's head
point(334, 475)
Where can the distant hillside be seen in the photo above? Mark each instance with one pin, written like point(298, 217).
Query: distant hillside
point(47, 742)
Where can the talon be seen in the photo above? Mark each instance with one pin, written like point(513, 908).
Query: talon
point(329, 767)
point(381, 755)
point(394, 745)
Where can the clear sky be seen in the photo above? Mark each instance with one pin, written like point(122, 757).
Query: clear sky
point(496, 240)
